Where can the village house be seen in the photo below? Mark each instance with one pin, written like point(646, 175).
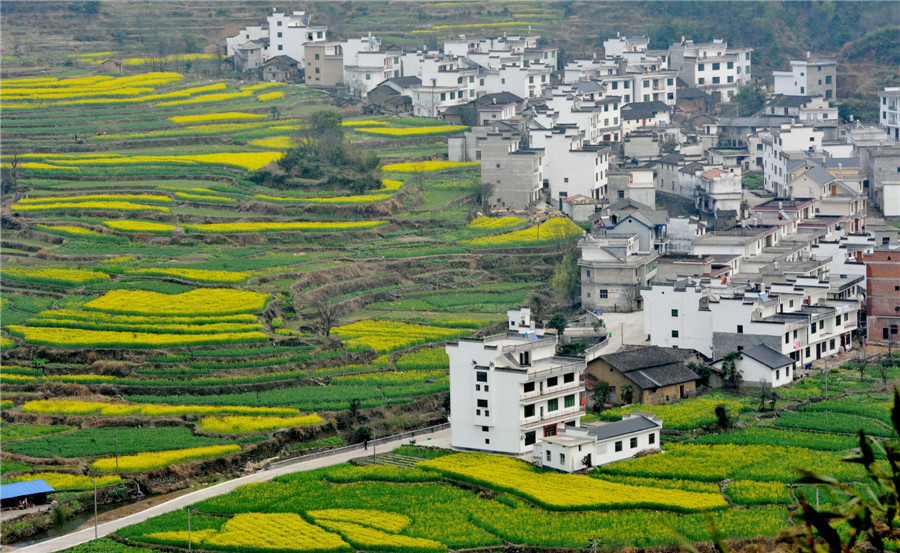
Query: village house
point(761, 365)
point(883, 294)
point(324, 64)
point(613, 270)
point(648, 375)
point(585, 447)
point(513, 174)
point(283, 69)
point(629, 216)
point(510, 391)
point(812, 76)
point(571, 166)
point(638, 115)
point(712, 67)
point(889, 111)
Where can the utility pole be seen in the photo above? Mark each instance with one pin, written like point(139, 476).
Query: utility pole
point(374, 460)
point(95, 510)
point(622, 332)
point(117, 453)
point(189, 529)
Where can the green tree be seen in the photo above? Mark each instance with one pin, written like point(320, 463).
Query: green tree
point(729, 367)
point(558, 322)
point(627, 393)
point(751, 98)
point(600, 394)
point(566, 280)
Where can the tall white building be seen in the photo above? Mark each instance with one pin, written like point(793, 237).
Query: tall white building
point(509, 391)
point(808, 77)
point(288, 34)
point(889, 111)
point(712, 67)
point(790, 142)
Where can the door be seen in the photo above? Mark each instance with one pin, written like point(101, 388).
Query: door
point(681, 391)
point(819, 350)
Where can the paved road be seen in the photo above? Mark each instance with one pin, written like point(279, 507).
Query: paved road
point(440, 438)
point(633, 326)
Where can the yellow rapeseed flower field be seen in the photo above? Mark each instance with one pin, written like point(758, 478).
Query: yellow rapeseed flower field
point(197, 275)
point(383, 520)
point(106, 409)
point(429, 166)
point(229, 228)
point(548, 232)
point(497, 223)
point(68, 229)
point(206, 117)
point(81, 338)
point(54, 275)
point(261, 86)
point(149, 198)
point(413, 131)
point(276, 142)
point(246, 424)
point(139, 226)
point(390, 185)
point(274, 532)
point(149, 461)
point(112, 206)
point(202, 301)
point(386, 336)
point(205, 198)
point(250, 161)
point(366, 123)
point(266, 96)
point(354, 199)
point(65, 481)
point(206, 98)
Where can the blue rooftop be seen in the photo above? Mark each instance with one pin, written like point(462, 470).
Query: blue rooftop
point(21, 489)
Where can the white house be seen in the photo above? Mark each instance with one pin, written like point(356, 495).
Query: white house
point(712, 67)
point(247, 34)
point(889, 111)
point(572, 167)
point(759, 365)
point(807, 77)
point(790, 142)
point(288, 34)
point(585, 447)
point(510, 391)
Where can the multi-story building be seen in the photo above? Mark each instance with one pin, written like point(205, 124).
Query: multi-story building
point(719, 190)
point(513, 174)
point(790, 142)
point(613, 271)
point(808, 77)
point(324, 64)
point(883, 294)
point(288, 34)
point(571, 166)
point(794, 318)
point(511, 390)
point(889, 111)
point(446, 81)
point(712, 67)
point(247, 34)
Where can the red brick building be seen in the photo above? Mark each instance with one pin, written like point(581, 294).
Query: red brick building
point(883, 295)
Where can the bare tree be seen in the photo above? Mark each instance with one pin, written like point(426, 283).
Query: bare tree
point(356, 87)
point(765, 394)
point(326, 316)
point(427, 105)
point(861, 363)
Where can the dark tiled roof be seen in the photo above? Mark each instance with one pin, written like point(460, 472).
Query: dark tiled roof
point(767, 356)
point(782, 101)
point(627, 426)
point(650, 367)
point(643, 110)
point(691, 93)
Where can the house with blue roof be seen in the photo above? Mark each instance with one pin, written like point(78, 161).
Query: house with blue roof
point(15, 494)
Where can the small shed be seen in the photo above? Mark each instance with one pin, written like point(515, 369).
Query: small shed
point(112, 65)
point(33, 491)
point(761, 364)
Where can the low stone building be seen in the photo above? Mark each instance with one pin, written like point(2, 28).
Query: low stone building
point(654, 375)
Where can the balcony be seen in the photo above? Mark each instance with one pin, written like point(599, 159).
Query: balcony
point(556, 417)
point(557, 391)
point(557, 370)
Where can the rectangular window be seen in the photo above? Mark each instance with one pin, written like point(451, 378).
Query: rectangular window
point(740, 329)
point(529, 411)
point(530, 438)
point(551, 382)
point(485, 429)
point(481, 376)
point(715, 67)
point(716, 80)
point(562, 458)
point(478, 387)
point(482, 403)
point(812, 328)
point(618, 446)
point(821, 325)
point(731, 65)
point(777, 375)
point(827, 79)
point(279, 34)
point(627, 84)
point(548, 456)
point(845, 317)
point(569, 377)
point(634, 442)
point(529, 387)
point(700, 67)
point(281, 47)
point(569, 401)
point(443, 95)
point(669, 82)
point(604, 294)
point(369, 78)
point(701, 80)
point(674, 334)
point(553, 405)
point(837, 321)
point(587, 273)
point(651, 439)
point(787, 337)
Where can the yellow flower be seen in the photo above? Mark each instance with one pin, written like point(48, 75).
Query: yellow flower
point(228, 228)
point(202, 301)
point(206, 98)
point(386, 336)
point(274, 532)
point(105, 409)
point(367, 123)
point(198, 275)
point(150, 198)
point(429, 166)
point(246, 424)
point(149, 461)
point(414, 131)
point(276, 142)
point(261, 86)
point(266, 96)
point(112, 206)
point(65, 481)
point(139, 226)
point(51, 275)
point(357, 199)
point(553, 230)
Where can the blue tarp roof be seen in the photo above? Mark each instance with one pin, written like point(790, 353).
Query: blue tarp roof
point(20, 489)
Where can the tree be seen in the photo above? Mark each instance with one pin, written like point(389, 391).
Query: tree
point(566, 280)
point(11, 175)
point(559, 322)
point(627, 393)
point(765, 394)
point(362, 434)
point(600, 394)
point(723, 418)
point(729, 367)
point(751, 99)
point(326, 315)
point(485, 193)
point(356, 87)
point(861, 363)
point(354, 408)
point(702, 370)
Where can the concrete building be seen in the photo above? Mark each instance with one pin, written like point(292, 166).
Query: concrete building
point(682, 233)
point(582, 448)
point(247, 34)
point(719, 190)
point(288, 34)
point(510, 391)
point(613, 270)
point(883, 294)
point(889, 111)
point(446, 81)
point(640, 115)
point(808, 77)
point(571, 166)
point(513, 173)
point(761, 365)
point(712, 67)
point(789, 142)
point(629, 216)
point(805, 109)
point(324, 64)
point(882, 170)
point(649, 374)
point(795, 318)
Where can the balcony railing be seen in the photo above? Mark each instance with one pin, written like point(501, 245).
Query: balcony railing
point(561, 389)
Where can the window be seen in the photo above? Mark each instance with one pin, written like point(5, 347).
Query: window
point(715, 67)
point(845, 317)
point(279, 23)
point(674, 334)
point(562, 458)
point(731, 65)
point(633, 442)
point(529, 411)
point(674, 312)
point(553, 405)
point(740, 329)
point(443, 95)
point(747, 56)
point(669, 82)
point(716, 80)
point(485, 429)
point(831, 344)
point(821, 325)
point(787, 337)
point(701, 80)
point(701, 67)
point(647, 84)
point(777, 375)
point(478, 155)
point(481, 376)
point(478, 387)
point(529, 387)
point(615, 85)
point(604, 293)
point(812, 328)
point(587, 273)
point(569, 377)
point(369, 78)
point(548, 456)
point(569, 401)
point(279, 34)
point(317, 71)
point(281, 47)
point(827, 79)
point(618, 446)
point(730, 79)
point(482, 403)
point(627, 84)
point(837, 321)
point(651, 439)
point(551, 382)
point(530, 438)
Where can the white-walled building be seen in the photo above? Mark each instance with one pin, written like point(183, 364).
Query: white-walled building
point(510, 391)
point(790, 142)
point(288, 34)
point(761, 365)
point(367, 63)
point(794, 319)
point(808, 77)
point(585, 447)
point(889, 111)
point(446, 81)
point(613, 270)
point(247, 34)
point(712, 67)
point(572, 167)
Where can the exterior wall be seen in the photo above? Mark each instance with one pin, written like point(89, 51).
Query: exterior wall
point(882, 166)
point(809, 77)
point(601, 452)
point(668, 394)
point(515, 176)
point(755, 373)
point(889, 111)
point(883, 295)
point(251, 32)
point(288, 35)
point(610, 288)
point(324, 65)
